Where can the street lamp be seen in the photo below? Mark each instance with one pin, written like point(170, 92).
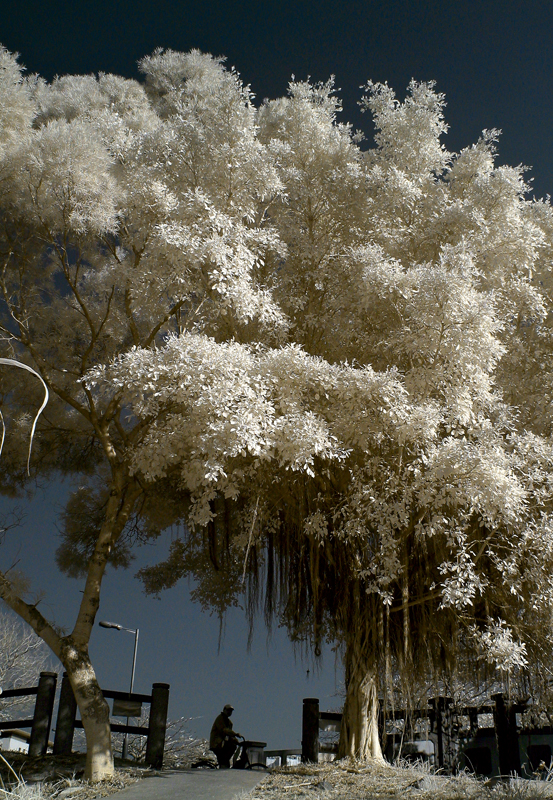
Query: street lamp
point(117, 627)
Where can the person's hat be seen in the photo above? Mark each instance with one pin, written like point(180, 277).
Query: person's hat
point(228, 707)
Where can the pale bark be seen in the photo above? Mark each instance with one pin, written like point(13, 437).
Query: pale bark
point(93, 709)
point(359, 737)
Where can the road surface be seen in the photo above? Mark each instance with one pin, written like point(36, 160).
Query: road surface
point(193, 784)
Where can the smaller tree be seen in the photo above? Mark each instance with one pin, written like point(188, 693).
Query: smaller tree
point(23, 656)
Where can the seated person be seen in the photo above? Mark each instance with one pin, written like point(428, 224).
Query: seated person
point(223, 740)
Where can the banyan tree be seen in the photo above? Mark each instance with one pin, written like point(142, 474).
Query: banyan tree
point(306, 352)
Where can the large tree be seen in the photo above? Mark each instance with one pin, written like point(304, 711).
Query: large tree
point(134, 221)
point(304, 351)
point(430, 541)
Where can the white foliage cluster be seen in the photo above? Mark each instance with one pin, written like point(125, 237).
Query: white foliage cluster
point(498, 646)
point(216, 406)
point(16, 107)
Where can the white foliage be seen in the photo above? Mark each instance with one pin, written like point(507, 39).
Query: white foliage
point(216, 405)
point(62, 175)
point(215, 290)
point(16, 107)
point(499, 647)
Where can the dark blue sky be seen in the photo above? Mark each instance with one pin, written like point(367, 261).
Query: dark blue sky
point(493, 61)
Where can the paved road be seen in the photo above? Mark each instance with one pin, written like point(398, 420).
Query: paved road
point(194, 784)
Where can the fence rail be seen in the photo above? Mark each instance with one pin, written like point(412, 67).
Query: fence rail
point(16, 723)
point(67, 720)
point(42, 718)
point(20, 692)
point(507, 742)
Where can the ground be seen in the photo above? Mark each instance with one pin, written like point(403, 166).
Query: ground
point(59, 778)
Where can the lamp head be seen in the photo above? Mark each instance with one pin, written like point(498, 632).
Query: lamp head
point(103, 624)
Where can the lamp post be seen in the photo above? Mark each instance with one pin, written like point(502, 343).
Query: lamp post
point(117, 627)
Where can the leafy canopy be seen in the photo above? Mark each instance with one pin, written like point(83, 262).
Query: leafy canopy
point(330, 364)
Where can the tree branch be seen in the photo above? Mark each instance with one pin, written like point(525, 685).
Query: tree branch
point(31, 615)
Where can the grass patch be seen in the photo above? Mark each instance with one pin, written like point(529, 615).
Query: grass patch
point(351, 780)
point(57, 778)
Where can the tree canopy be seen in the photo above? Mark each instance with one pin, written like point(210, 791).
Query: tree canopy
point(329, 362)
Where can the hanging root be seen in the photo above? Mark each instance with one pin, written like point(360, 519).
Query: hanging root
point(13, 363)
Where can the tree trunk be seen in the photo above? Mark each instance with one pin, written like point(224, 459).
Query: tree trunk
point(90, 700)
point(93, 709)
point(359, 730)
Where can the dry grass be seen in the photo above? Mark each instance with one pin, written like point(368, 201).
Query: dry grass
point(52, 777)
point(58, 778)
point(347, 780)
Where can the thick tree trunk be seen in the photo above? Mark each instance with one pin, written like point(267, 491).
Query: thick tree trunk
point(359, 730)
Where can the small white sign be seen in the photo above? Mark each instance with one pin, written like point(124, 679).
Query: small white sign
point(127, 708)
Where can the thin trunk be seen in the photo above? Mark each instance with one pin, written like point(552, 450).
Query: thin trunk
point(92, 705)
point(407, 661)
point(72, 650)
point(359, 730)
point(93, 709)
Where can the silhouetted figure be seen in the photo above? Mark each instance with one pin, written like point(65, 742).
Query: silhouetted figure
point(223, 740)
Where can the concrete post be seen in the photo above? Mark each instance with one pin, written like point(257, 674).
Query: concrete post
point(158, 725)
point(65, 723)
point(310, 730)
point(42, 718)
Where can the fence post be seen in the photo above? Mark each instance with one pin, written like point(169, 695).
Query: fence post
point(440, 706)
point(42, 718)
point(65, 723)
point(507, 737)
point(158, 725)
point(473, 719)
point(310, 730)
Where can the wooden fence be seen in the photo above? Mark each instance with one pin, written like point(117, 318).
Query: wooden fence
point(42, 718)
point(502, 748)
point(67, 721)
